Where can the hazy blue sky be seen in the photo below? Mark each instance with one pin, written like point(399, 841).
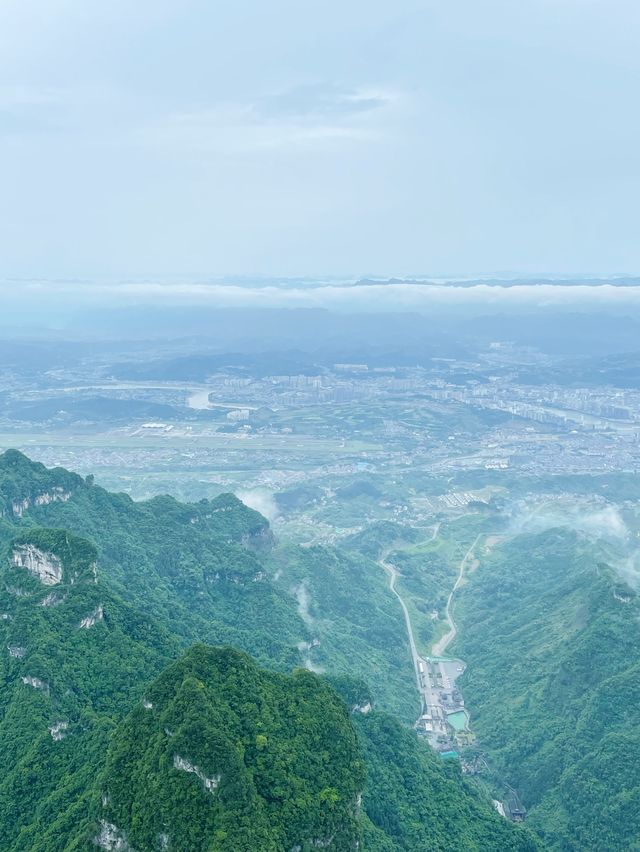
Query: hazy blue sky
point(295, 136)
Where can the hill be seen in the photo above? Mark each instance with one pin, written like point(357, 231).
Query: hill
point(209, 572)
point(197, 566)
point(225, 757)
point(115, 735)
point(73, 657)
point(564, 728)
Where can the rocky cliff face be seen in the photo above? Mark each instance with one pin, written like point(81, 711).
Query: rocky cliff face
point(26, 485)
point(210, 784)
point(56, 495)
point(35, 682)
point(58, 730)
point(53, 557)
point(111, 838)
point(93, 618)
point(260, 539)
point(44, 566)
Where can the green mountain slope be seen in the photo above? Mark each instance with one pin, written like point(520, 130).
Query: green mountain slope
point(225, 756)
point(106, 731)
point(414, 800)
point(73, 656)
point(211, 572)
point(355, 623)
point(552, 639)
point(197, 567)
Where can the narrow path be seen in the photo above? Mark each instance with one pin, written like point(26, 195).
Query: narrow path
point(443, 643)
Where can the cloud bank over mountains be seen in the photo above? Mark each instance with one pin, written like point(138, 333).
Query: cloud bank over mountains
point(348, 295)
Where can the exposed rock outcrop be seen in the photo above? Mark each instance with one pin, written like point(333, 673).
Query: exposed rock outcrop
point(35, 682)
point(92, 619)
point(56, 495)
point(261, 539)
point(17, 651)
point(322, 842)
point(52, 599)
point(17, 592)
point(58, 730)
point(112, 838)
point(210, 784)
point(44, 566)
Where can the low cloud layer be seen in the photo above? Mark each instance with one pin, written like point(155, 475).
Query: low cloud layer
point(261, 500)
point(603, 523)
point(480, 298)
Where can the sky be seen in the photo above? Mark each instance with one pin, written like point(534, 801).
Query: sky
point(190, 137)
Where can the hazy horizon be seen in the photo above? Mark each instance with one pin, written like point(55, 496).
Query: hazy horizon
point(319, 425)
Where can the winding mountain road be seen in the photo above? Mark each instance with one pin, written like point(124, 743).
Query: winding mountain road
point(393, 574)
point(443, 643)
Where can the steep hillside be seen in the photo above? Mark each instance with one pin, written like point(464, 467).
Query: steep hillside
point(110, 739)
point(552, 639)
point(196, 567)
point(73, 656)
point(209, 572)
point(355, 624)
point(413, 800)
point(225, 757)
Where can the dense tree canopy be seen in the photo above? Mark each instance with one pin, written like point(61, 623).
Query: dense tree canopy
point(112, 728)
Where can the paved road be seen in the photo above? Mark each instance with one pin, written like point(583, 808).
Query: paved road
point(430, 693)
point(393, 573)
point(441, 646)
point(198, 399)
point(434, 680)
point(393, 576)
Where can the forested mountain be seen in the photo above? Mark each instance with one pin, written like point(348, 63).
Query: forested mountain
point(115, 735)
point(413, 801)
point(552, 635)
point(221, 755)
point(74, 658)
point(210, 570)
point(195, 566)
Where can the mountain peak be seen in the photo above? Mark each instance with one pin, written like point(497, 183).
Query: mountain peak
point(25, 483)
point(15, 459)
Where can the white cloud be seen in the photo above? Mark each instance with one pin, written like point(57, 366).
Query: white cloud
point(300, 116)
point(338, 295)
point(319, 102)
point(605, 522)
point(261, 500)
point(247, 136)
